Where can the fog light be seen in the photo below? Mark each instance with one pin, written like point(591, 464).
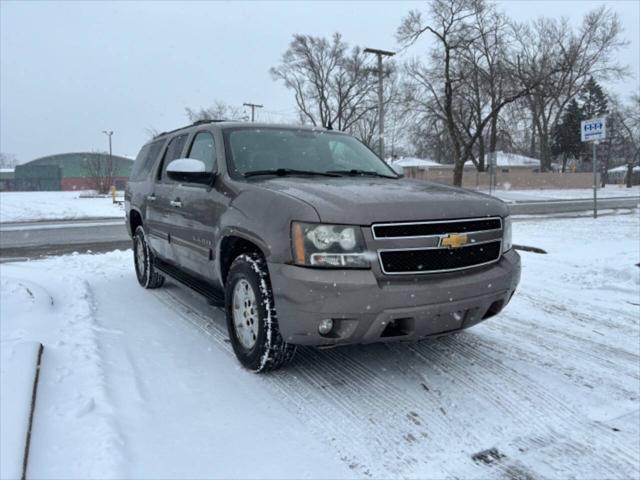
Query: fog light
point(325, 326)
point(459, 315)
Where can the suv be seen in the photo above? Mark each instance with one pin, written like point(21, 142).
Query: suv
point(309, 238)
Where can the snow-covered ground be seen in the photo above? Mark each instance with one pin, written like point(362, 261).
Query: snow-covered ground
point(143, 384)
point(564, 194)
point(33, 206)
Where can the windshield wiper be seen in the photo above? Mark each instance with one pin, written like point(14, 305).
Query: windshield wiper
point(281, 172)
point(368, 173)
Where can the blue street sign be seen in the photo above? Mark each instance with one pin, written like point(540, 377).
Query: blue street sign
point(594, 129)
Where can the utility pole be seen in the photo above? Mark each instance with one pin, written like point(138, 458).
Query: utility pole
point(253, 109)
point(380, 54)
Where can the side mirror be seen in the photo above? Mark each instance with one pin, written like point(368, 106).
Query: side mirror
point(188, 170)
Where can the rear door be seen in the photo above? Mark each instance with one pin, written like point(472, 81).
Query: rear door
point(201, 207)
point(161, 212)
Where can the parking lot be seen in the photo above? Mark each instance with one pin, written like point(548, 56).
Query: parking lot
point(548, 388)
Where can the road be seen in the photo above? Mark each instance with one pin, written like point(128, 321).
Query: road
point(35, 239)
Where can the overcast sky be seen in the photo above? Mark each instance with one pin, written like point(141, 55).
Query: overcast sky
point(68, 71)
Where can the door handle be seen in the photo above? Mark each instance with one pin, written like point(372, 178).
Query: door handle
point(151, 198)
point(176, 203)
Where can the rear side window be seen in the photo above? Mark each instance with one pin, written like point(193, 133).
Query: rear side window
point(173, 151)
point(204, 148)
point(145, 160)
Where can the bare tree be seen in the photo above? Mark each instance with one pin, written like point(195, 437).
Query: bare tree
point(332, 84)
point(461, 66)
point(152, 132)
point(623, 133)
point(8, 160)
point(580, 55)
point(101, 169)
point(218, 111)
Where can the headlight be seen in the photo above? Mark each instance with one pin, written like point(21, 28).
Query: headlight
point(333, 246)
point(507, 240)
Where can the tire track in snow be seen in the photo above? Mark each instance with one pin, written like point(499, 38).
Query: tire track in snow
point(341, 397)
point(553, 409)
point(599, 354)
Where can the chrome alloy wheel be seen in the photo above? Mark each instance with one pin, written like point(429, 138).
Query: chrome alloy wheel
point(245, 314)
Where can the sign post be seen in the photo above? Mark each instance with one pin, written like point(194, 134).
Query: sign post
point(594, 130)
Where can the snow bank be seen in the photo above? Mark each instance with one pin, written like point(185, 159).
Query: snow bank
point(74, 434)
point(33, 206)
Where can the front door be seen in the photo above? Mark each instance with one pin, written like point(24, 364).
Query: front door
point(200, 211)
point(161, 213)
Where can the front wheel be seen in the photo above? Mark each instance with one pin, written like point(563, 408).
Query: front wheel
point(251, 316)
point(146, 272)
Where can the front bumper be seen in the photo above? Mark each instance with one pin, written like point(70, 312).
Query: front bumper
point(366, 308)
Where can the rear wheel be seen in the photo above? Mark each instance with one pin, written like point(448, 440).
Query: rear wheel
point(146, 272)
point(251, 316)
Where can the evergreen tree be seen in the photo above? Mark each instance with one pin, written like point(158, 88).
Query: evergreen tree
point(593, 100)
point(566, 135)
point(595, 104)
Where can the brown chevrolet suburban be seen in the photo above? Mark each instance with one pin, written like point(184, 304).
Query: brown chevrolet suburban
point(308, 238)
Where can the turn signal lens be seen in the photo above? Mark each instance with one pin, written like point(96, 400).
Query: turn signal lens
point(507, 235)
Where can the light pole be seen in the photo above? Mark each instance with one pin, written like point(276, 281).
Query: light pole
point(380, 54)
point(108, 133)
point(109, 170)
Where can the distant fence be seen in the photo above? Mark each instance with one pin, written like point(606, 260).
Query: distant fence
point(512, 178)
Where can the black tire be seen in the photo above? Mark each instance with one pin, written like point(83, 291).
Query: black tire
point(270, 351)
point(148, 276)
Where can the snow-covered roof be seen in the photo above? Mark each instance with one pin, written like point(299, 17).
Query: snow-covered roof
point(415, 162)
point(623, 169)
point(513, 160)
point(6, 170)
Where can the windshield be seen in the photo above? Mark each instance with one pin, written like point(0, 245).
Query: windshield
point(256, 150)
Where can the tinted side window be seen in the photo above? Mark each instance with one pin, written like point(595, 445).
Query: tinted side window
point(137, 165)
point(204, 148)
point(145, 160)
point(173, 151)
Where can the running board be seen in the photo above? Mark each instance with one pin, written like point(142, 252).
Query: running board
point(213, 295)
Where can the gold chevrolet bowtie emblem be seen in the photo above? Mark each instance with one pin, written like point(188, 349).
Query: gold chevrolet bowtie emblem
point(453, 240)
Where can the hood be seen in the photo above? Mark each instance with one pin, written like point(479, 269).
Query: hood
point(363, 201)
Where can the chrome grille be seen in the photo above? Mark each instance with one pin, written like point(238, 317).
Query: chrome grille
point(426, 252)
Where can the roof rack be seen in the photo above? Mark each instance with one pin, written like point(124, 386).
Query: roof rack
point(197, 122)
